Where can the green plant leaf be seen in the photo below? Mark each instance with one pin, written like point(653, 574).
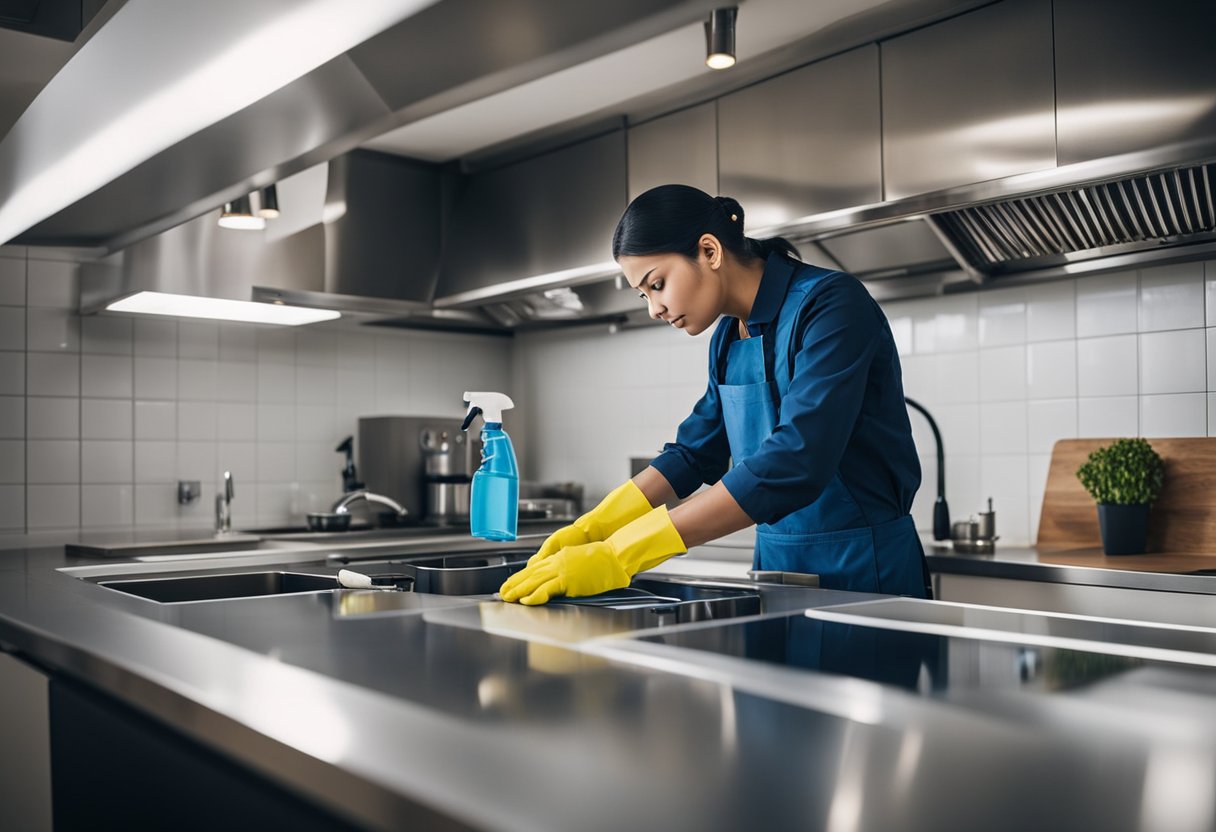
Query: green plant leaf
point(1126, 472)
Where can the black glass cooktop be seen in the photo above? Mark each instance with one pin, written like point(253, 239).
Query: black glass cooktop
point(926, 663)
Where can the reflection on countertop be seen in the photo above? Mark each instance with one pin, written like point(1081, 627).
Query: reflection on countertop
point(774, 721)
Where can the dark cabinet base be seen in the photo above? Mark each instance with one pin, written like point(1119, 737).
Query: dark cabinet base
point(113, 768)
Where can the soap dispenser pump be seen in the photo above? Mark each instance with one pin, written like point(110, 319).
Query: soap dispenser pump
point(494, 498)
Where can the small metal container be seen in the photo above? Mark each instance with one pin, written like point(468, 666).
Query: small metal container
point(447, 500)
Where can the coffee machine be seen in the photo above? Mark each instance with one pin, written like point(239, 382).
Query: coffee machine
point(423, 462)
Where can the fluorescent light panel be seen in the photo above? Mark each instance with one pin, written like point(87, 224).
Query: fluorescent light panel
point(221, 309)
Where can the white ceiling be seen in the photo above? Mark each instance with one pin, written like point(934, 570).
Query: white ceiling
point(611, 80)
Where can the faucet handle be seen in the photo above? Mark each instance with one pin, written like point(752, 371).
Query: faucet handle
point(229, 489)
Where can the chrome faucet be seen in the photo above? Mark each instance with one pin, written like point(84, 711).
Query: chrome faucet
point(343, 505)
point(223, 506)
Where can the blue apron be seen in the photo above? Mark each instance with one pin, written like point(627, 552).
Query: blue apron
point(830, 537)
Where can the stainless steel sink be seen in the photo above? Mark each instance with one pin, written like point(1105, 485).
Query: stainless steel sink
point(467, 574)
point(216, 587)
point(650, 602)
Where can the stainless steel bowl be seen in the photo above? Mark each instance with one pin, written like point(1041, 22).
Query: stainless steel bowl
point(328, 521)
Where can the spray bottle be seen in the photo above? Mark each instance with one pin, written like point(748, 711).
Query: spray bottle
point(494, 503)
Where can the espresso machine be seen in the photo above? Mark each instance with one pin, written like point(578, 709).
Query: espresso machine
point(423, 462)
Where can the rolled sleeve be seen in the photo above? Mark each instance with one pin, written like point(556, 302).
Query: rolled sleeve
point(840, 332)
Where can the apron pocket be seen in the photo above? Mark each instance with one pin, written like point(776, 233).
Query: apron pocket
point(841, 559)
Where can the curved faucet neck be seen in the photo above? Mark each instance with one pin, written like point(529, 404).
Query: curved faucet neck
point(342, 506)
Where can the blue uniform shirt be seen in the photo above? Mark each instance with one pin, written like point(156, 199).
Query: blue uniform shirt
point(843, 413)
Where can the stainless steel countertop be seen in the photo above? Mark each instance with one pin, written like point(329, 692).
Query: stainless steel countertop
point(1028, 563)
point(504, 717)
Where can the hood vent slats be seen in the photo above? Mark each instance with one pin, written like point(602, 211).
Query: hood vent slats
point(1141, 209)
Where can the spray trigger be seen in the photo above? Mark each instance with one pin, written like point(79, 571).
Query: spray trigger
point(473, 413)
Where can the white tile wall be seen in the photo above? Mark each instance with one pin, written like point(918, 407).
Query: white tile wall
point(106, 376)
point(1108, 416)
point(1107, 366)
point(12, 461)
point(1180, 414)
point(12, 280)
point(107, 506)
point(1107, 305)
point(101, 415)
point(52, 506)
point(1173, 362)
point(12, 417)
point(105, 419)
point(105, 461)
point(1171, 297)
point(54, 418)
point(12, 373)
point(12, 326)
point(155, 420)
point(1051, 369)
point(52, 374)
point(52, 330)
point(53, 461)
point(1051, 312)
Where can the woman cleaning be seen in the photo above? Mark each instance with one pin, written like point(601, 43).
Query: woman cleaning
point(805, 398)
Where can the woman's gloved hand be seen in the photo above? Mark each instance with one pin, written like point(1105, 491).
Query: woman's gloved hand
point(624, 504)
point(592, 568)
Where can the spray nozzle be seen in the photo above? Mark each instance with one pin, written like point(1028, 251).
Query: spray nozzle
point(489, 405)
point(469, 417)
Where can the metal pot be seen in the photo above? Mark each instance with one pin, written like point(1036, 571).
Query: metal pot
point(328, 521)
point(447, 500)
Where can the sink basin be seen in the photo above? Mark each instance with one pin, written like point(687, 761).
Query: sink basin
point(460, 574)
point(216, 587)
point(653, 602)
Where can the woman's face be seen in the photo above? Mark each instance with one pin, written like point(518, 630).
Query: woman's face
point(687, 294)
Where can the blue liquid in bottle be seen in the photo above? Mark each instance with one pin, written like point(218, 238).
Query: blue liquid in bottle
point(494, 503)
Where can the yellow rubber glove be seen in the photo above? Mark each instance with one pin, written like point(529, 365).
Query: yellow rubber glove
point(624, 504)
point(592, 568)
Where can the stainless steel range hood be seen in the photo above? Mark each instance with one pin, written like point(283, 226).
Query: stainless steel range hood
point(1170, 208)
point(1070, 220)
point(368, 246)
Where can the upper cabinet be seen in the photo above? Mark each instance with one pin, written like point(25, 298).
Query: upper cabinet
point(804, 142)
point(681, 147)
point(969, 99)
point(546, 214)
point(1133, 76)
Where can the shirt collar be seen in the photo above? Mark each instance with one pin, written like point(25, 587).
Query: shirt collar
point(778, 270)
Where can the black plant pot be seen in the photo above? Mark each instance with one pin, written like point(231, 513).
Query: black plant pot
point(1124, 529)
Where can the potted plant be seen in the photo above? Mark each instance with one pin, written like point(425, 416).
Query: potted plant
point(1124, 478)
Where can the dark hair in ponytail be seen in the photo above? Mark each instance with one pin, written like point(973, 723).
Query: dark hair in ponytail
point(670, 219)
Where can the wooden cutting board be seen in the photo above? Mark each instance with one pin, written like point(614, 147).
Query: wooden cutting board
point(1182, 521)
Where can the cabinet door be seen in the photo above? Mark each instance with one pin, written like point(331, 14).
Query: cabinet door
point(546, 214)
point(804, 142)
point(25, 747)
point(681, 147)
point(1133, 75)
point(969, 99)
